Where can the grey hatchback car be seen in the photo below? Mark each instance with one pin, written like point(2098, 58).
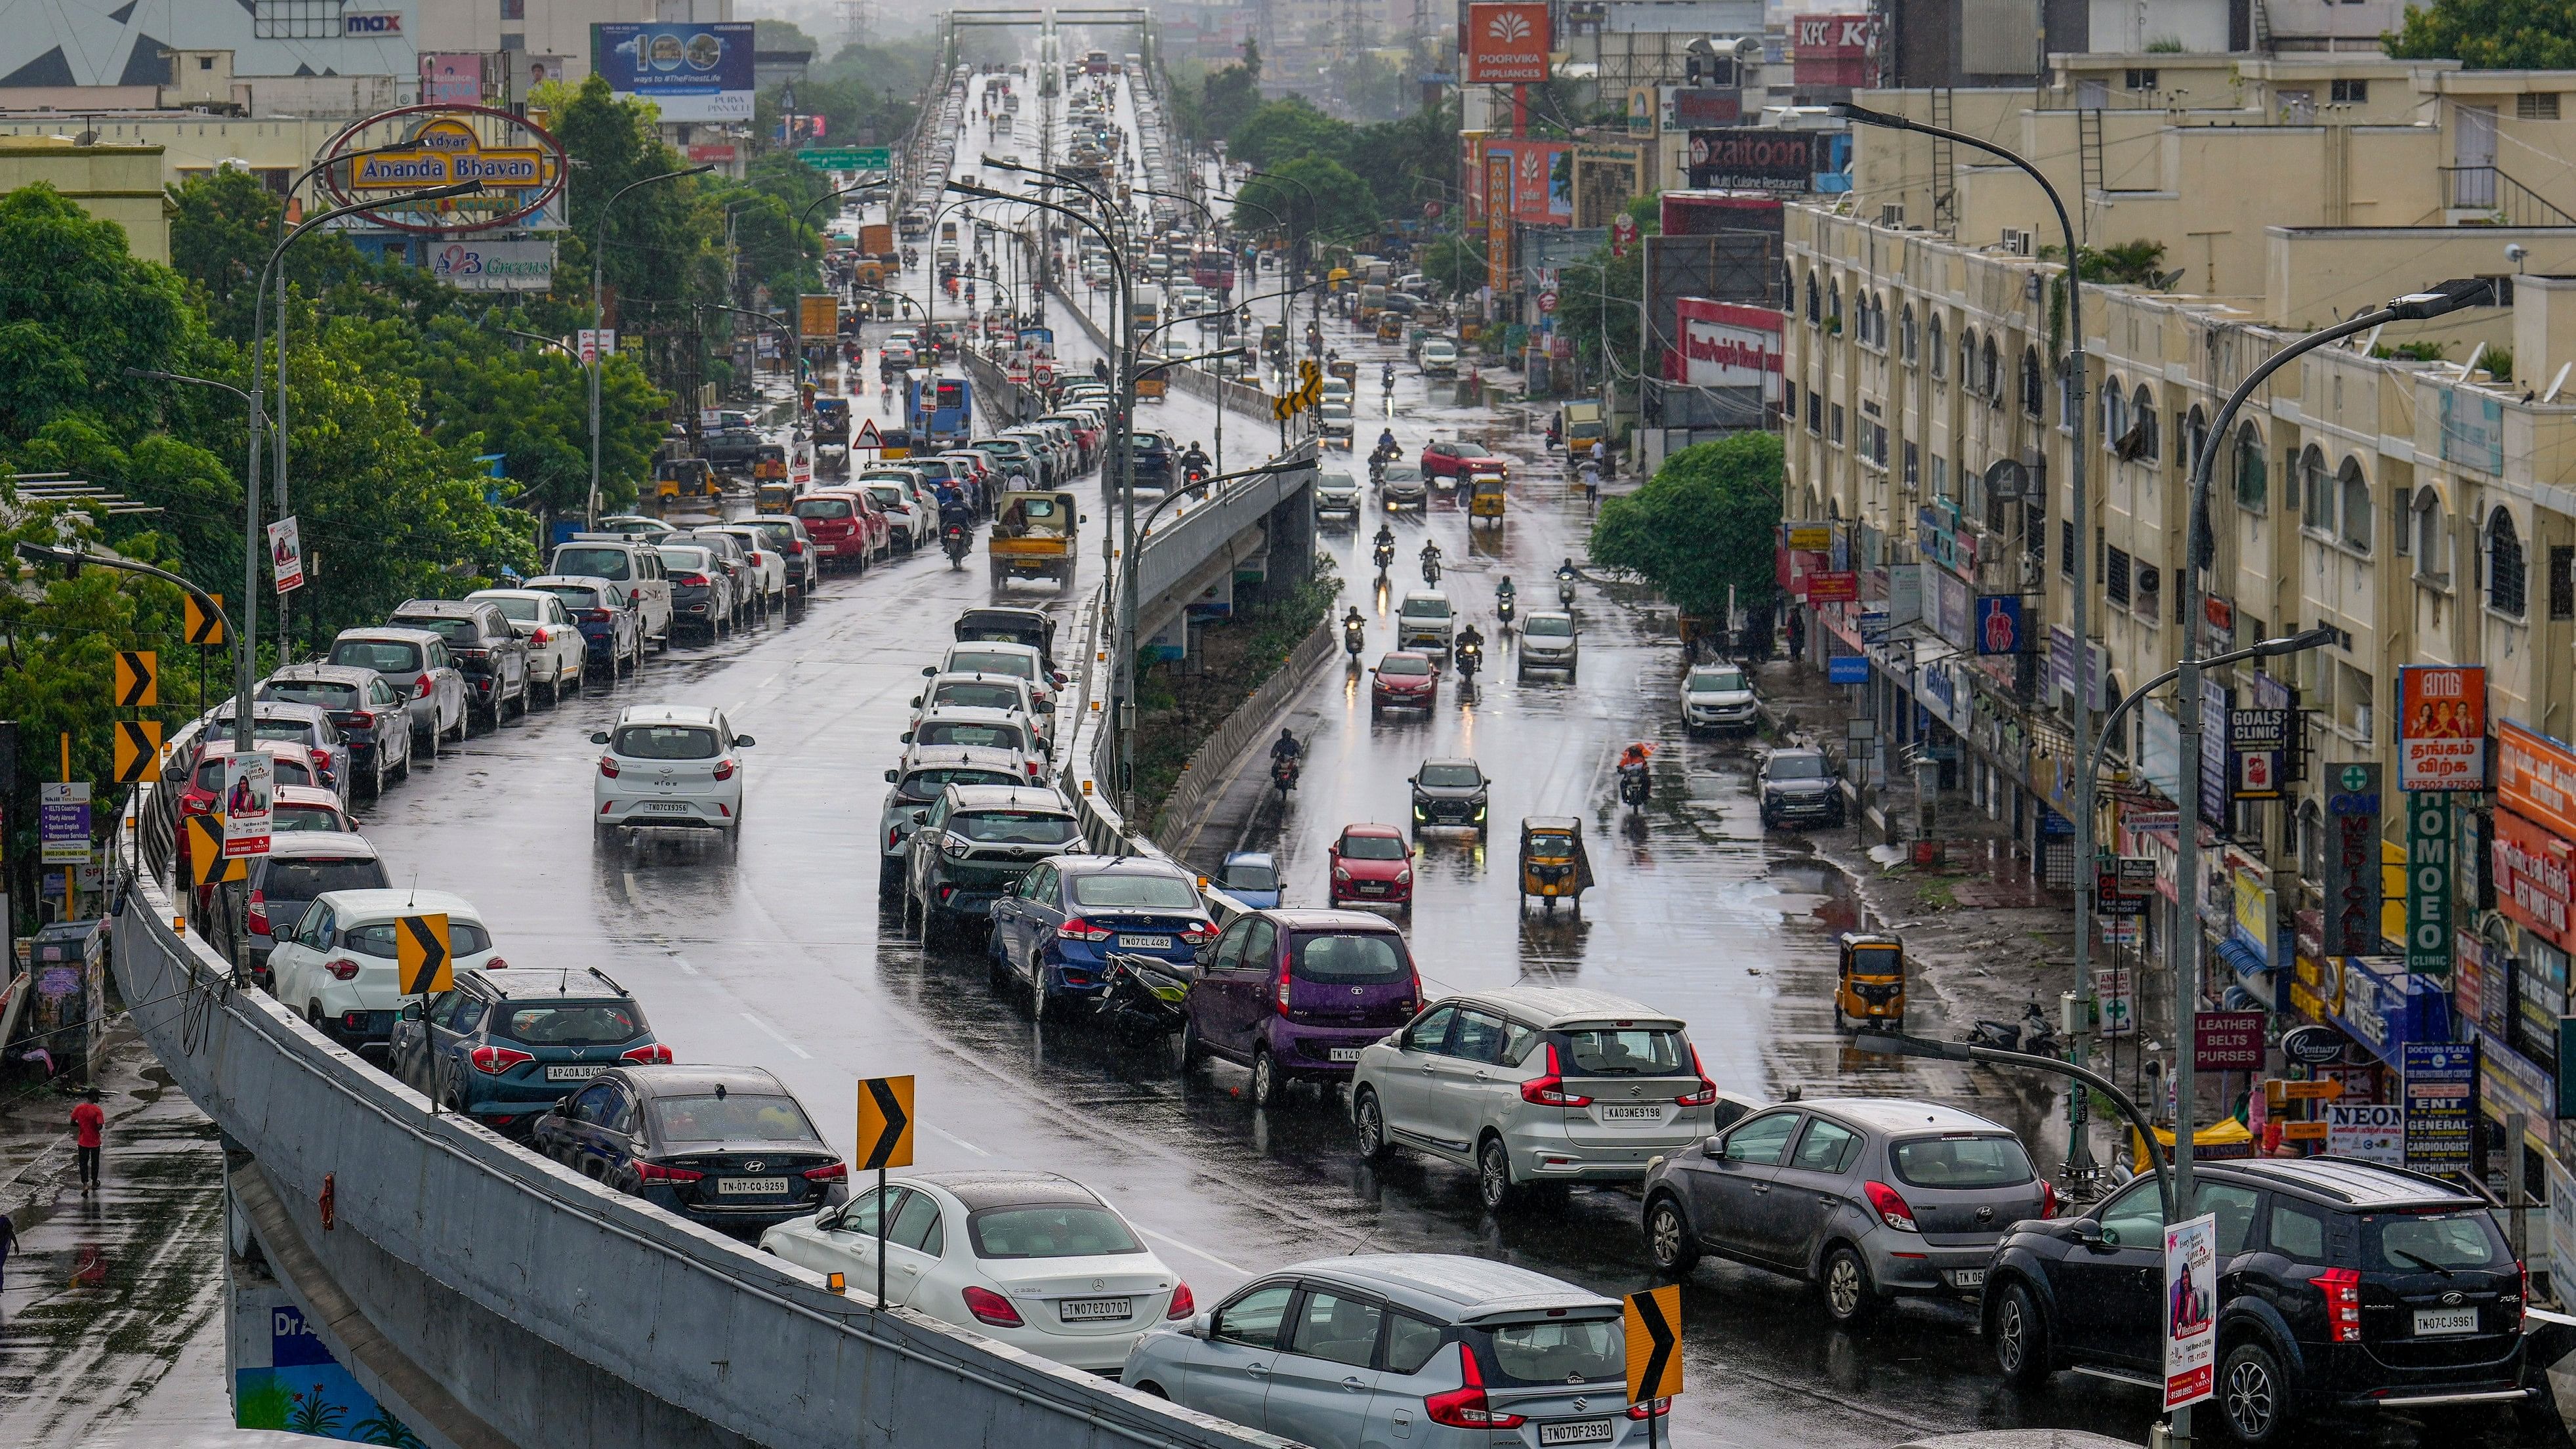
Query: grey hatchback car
point(1872, 1197)
point(1424, 1349)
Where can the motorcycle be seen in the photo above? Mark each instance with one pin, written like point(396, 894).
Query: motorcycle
point(1431, 570)
point(1144, 995)
point(1283, 775)
point(1470, 655)
point(1193, 476)
point(1385, 558)
point(1634, 787)
point(1505, 605)
point(2033, 1035)
point(1353, 635)
point(954, 543)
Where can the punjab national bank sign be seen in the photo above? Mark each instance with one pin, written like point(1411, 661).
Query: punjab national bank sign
point(1506, 44)
point(1729, 346)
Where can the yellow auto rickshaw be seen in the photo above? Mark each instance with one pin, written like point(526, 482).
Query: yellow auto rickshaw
point(678, 478)
point(1150, 387)
point(1485, 498)
point(1870, 987)
point(774, 498)
point(1390, 326)
point(769, 463)
point(1553, 863)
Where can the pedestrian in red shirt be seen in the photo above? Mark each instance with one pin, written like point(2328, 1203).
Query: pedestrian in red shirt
point(88, 1122)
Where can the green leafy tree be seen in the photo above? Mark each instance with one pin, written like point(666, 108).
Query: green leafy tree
point(76, 310)
point(1327, 201)
point(659, 246)
point(2489, 34)
point(1705, 522)
point(1291, 129)
point(1455, 263)
point(1596, 302)
point(1410, 160)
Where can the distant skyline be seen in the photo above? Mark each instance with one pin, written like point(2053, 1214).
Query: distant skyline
point(821, 19)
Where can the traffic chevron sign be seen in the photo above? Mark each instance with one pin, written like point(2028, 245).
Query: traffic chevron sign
point(1654, 1344)
point(138, 746)
point(207, 863)
point(205, 626)
point(138, 677)
point(421, 954)
point(885, 1123)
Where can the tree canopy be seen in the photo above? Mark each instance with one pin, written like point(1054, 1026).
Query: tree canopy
point(2490, 34)
point(1706, 521)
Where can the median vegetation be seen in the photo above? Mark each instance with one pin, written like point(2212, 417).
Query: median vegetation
point(1180, 702)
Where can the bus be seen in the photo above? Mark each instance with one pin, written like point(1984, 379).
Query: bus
point(1213, 268)
point(940, 410)
point(1096, 63)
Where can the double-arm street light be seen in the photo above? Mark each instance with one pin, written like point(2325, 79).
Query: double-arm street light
point(598, 286)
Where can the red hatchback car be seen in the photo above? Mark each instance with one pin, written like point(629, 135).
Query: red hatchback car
point(1450, 458)
point(1403, 679)
point(847, 528)
point(1371, 863)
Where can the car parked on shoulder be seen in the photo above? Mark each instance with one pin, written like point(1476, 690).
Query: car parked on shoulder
point(788, 536)
point(975, 843)
point(1007, 692)
point(296, 869)
point(1534, 1084)
point(1799, 786)
point(734, 561)
point(992, 729)
point(309, 726)
point(366, 709)
point(338, 969)
point(417, 663)
point(1053, 935)
point(294, 809)
point(768, 572)
point(728, 1148)
point(2342, 1285)
point(668, 766)
point(612, 630)
point(1420, 1349)
point(702, 592)
point(489, 654)
point(892, 492)
point(634, 565)
point(558, 651)
point(1296, 994)
point(1718, 697)
point(1034, 1260)
point(925, 771)
point(505, 1049)
point(848, 529)
point(1871, 1197)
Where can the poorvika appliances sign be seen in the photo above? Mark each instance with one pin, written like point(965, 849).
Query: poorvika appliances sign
point(1506, 44)
point(1724, 345)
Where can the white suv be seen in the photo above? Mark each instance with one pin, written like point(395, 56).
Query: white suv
point(1424, 622)
point(340, 966)
point(1535, 1084)
point(668, 765)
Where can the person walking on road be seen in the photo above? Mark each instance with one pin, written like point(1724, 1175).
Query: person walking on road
point(88, 1123)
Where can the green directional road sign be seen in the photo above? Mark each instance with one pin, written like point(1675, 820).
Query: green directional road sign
point(847, 158)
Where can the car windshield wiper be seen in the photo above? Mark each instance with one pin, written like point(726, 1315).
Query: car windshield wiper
point(2419, 1260)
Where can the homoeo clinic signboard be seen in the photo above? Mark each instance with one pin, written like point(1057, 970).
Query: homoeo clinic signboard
point(1724, 345)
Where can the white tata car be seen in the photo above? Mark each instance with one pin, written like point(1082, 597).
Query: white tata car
point(1033, 1259)
point(668, 765)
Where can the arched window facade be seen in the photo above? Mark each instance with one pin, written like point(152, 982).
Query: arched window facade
point(1938, 347)
point(2505, 592)
point(2359, 515)
point(1990, 375)
point(2142, 418)
point(2034, 386)
point(2432, 543)
point(2115, 413)
point(1968, 359)
point(1909, 343)
point(1815, 302)
point(2253, 485)
point(1833, 305)
point(2316, 494)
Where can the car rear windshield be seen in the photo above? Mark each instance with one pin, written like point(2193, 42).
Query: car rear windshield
point(1136, 892)
point(1452, 777)
point(665, 742)
point(1408, 667)
point(525, 611)
point(1555, 1352)
point(454, 631)
point(688, 558)
point(1713, 681)
point(573, 1023)
point(779, 535)
point(322, 692)
point(734, 1117)
point(1049, 1230)
point(464, 938)
point(1372, 847)
point(1795, 767)
point(2428, 1242)
point(888, 497)
point(300, 731)
point(970, 661)
point(823, 508)
point(968, 733)
point(1347, 957)
point(1014, 827)
point(1962, 1160)
point(599, 563)
point(301, 878)
point(923, 784)
point(1247, 876)
point(574, 596)
point(979, 696)
point(1622, 1051)
point(305, 817)
point(385, 656)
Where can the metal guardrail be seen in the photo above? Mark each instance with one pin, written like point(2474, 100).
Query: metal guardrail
point(1250, 720)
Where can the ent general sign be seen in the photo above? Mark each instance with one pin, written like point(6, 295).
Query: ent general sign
point(447, 151)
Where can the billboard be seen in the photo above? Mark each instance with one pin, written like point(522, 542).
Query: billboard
point(494, 266)
point(1746, 158)
point(1506, 44)
point(451, 79)
point(1834, 50)
point(692, 72)
point(1726, 345)
point(2442, 727)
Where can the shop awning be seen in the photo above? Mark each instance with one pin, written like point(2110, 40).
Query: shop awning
point(2252, 972)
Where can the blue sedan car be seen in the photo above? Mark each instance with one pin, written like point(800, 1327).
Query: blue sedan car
point(505, 1050)
point(1252, 877)
point(1053, 935)
point(610, 624)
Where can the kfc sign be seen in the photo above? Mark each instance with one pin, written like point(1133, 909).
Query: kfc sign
point(1835, 37)
point(1724, 345)
point(1506, 44)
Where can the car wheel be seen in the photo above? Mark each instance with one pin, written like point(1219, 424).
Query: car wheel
point(1268, 1084)
point(1368, 1121)
point(1669, 1237)
point(403, 771)
point(2020, 1335)
point(1494, 1185)
point(2250, 1394)
point(1848, 1294)
point(1193, 1051)
point(1037, 990)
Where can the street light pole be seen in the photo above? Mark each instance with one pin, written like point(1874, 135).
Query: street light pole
point(598, 284)
point(2079, 1151)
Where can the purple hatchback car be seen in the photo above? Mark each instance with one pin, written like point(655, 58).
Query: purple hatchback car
point(1295, 993)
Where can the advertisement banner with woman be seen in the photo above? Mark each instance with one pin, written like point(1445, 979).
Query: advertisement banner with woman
point(2191, 1310)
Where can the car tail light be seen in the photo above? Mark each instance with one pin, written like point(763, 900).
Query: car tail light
point(598, 616)
point(829, 1172)
point(541, 636)
point(259, 913)
point(1076, 928)
point(653, 1054)
point(695, 581)
point(2047, 1201)
point(1465, 1407)
point(2519, 1308)
point(1283, 985)
point(1549, 1090)
point(420, 687)
point(991, 1307)
point(1183, 1305)
point(321, 759)
point(2342, 1287)
point(343, 969)
point(492, 1061)
point(1651, 1409)
point(724, 769)
point(1891, 1207)
point(362, 719)
point(496, 964)
point(1706, 1096)
point(1200, 933)
point(656, 1172)
point(353, 1021)
point(607, 767)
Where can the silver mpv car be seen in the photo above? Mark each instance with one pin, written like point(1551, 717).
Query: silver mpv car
point(1872, 1197)
point(1425, 1350)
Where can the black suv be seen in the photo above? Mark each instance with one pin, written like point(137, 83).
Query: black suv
point(1799, 787)
point(1450, 792)
point(487, 651)
point(2341, 1283)
point(1154, 458)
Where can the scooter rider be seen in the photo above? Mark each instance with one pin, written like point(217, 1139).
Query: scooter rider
point(1286, 747)
point(1470, 641)
point(1386, 443)
point(1354, 630)
point(1386, 377)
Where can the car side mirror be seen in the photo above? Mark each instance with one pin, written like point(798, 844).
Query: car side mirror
point(919, 816)
point(1046, 706)
point(599, 737)
point(929, 669)
point(743, 742)
point(890, 776)
point(907, 737)
point(916, 701)
point(411, 1011)
point(2088, 1231)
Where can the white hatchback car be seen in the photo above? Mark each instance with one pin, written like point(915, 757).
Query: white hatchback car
point(1423, 621)
point(339, 966)
point(896, 497)
point(1030, 1259)
point(668, 765)
point(558, 655)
